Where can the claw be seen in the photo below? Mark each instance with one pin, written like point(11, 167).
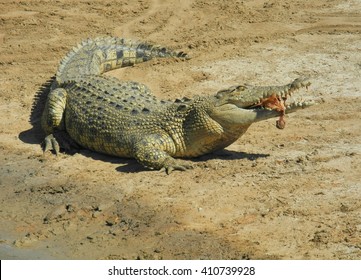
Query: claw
point(181, 167)
point(50, 143)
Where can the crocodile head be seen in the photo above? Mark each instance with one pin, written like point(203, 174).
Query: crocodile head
point(245, 104)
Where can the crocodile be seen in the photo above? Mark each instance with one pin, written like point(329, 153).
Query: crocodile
point(124, 119)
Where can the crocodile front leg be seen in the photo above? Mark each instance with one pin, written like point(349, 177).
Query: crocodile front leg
point(150, 151)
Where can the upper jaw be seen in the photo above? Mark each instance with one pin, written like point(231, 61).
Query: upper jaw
point(275, 97)
point(266, 98)
point(275, 101)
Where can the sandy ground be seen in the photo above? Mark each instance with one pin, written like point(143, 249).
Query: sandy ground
point(273, 194)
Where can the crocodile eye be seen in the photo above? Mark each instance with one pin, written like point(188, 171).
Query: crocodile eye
point(241, 88)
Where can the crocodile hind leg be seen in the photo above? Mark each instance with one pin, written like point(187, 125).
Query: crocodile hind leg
point(150, 151)
point(52, 119)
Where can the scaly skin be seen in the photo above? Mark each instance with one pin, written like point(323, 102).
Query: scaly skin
point(124, 119)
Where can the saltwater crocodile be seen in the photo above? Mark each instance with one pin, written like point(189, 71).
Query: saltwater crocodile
point(124, 119)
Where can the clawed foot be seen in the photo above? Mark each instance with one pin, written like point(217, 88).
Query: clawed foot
point(50, 143)
point(176, 165)
point(57, 140)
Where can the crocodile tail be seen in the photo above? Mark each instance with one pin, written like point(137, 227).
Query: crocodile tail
point(99, 55)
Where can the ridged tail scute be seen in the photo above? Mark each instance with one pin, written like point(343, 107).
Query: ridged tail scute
point(100, 55)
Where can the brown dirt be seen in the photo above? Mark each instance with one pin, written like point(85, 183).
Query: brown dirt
point(274, 194)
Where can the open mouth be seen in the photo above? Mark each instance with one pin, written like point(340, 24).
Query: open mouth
point(277, 102)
